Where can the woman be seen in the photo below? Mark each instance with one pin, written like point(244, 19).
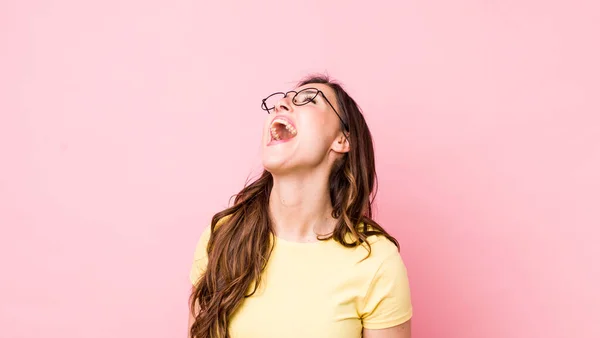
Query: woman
point(298, 254)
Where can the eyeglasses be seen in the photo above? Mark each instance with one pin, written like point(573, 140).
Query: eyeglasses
point(301, 98)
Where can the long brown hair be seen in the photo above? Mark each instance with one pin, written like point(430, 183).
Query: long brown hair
point(240, 246)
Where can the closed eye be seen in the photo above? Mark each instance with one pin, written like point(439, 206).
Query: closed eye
point(307, 100)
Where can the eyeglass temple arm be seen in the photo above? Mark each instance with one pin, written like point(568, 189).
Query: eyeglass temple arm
point(336, 113)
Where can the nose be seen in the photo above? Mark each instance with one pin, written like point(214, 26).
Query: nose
point(284, 104)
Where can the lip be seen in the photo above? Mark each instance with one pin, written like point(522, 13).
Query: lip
point(273, 142)
point(283, 117)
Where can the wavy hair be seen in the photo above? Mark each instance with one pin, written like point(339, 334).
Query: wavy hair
point(241, 235)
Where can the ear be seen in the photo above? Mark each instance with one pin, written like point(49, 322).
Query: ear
point(341, 144)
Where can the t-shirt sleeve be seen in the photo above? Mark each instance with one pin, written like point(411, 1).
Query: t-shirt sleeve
point(200, 257)
point(387, 302)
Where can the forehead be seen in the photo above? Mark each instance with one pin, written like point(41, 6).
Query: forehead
point(329, 93)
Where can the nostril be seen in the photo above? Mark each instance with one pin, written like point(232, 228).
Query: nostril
point(284, 107)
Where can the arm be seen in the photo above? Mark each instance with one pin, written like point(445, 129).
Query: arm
point(398, 331)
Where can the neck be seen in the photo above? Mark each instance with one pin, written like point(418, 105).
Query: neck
point(300, 206)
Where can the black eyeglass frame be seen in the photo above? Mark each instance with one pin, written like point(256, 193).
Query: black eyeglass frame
point(264, 103)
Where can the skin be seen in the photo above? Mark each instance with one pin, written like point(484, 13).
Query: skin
point(299, 203)
point(398, 331)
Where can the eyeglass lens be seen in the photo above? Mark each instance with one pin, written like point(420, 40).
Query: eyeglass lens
point(303, 97)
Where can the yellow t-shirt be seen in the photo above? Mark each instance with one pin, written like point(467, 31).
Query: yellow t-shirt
point(321, 289)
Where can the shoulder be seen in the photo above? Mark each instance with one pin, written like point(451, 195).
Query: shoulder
point(205, 235)
point(381, 246)
point(202, 242)
point(200, 259)
point(378, 247)
point(380, 256)
point(386, 299)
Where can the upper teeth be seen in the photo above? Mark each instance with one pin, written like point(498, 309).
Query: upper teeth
point(287, 125)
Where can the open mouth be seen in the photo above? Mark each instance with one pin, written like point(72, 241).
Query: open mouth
point(282, 130)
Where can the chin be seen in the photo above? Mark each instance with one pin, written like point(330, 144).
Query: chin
point(273, 165)
point(277, 157)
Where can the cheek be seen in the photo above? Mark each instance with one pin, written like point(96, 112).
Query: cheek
point(323, 126)
point(316, 134)
point(315, 121)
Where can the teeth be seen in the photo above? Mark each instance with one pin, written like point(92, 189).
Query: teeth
point(274, 134)
point(291, 129)
point(287, 125)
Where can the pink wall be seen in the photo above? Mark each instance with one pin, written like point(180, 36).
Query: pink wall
point(125, 124)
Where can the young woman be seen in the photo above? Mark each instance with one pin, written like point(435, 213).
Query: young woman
point(298, 255)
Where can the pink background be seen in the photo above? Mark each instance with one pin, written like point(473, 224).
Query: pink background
point(124, 125)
